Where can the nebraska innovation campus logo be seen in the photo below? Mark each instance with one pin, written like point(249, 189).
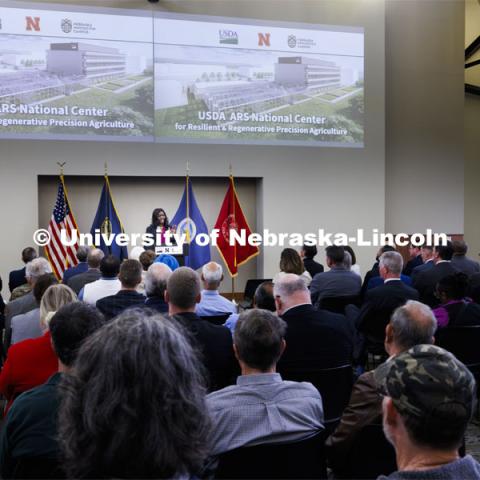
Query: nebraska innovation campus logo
point(66, 25)
point(263, 39)
point(292, 41)
point(229, 37)
point(32, 24)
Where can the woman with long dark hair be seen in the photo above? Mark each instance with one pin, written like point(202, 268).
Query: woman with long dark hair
point(134, 404)
point(159, 228)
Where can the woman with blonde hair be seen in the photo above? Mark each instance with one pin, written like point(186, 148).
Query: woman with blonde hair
point(32, 362)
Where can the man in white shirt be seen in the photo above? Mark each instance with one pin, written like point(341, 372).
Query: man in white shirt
point(108, 284)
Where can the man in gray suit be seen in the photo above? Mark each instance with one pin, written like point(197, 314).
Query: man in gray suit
point(34, 270)
point(77, 282)
point(460, 260)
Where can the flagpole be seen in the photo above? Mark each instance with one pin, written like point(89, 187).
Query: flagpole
point(234, 218)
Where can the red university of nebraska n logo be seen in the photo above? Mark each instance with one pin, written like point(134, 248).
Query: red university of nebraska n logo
point(263, 39)
point(33, 23)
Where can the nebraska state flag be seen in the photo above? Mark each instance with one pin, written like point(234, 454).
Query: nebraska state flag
point(231, 217)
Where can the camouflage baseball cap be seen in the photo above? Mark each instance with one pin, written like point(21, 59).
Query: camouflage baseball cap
point(424, 378)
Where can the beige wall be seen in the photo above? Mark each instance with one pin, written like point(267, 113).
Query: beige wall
point(472, 136)
point(302, 189)
point(424, 115)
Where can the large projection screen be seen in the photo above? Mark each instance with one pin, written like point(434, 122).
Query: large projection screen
point(169, 78)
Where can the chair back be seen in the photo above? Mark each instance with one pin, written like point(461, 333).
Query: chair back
point(301, 459)
point(217, 319)
point(338, 304)
point(38, 467)
point(334, 384)
point(371, 455)
point(463, 342)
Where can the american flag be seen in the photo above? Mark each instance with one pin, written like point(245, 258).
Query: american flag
point(60, 256)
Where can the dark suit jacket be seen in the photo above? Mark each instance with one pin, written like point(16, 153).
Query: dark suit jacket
point(312, 267)
point(82, 267)
point(374, 272)
point(315, 339)
point(411, 264)
point(215, 346)
point(463, 314)
point(422, 268)
point(157, 303)
point(464, 264)
point(379, 304)
point(112, 305)
point(426, 282)
point(77, 282)
point(16, 278)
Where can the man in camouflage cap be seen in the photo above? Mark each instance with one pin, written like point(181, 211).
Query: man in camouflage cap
point(429, 400)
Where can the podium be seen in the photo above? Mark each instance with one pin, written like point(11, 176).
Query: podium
point(177, 251)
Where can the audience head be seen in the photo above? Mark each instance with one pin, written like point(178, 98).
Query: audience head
point(390, 265)
point(349, 249)
point(452, 287)
point(347, 261)
point(130, 274)
point(135, 253)
point(212, 275)
point(110, 266)
point(264, 298)
point(70, 326)
point(414, 250)
point(290, 291)
point(156, 280)
point(55, 297)
point(95, 257)
point(443, 252)
point(183, 290)
point(155, 423)
point(82, 253)
point(335, 255)
point(36, 268)
point(429, 400)
point(259, 339)
point(41, 285)
point(385, 248)
point(159, 218)
point(28, 254)
point(291, 262)
point(146, 259)
point(427, 253)
point(411, 324)
point(169, 260)
point(459, 247)
point(308, 251)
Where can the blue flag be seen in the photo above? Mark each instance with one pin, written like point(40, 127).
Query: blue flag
point(189, 221)
point(109, 224)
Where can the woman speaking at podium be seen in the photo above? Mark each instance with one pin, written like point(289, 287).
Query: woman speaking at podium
point(160, 228)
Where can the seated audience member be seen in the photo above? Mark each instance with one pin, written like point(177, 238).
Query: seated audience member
point(429, 400)
point(94, 258)
point(380, 302)
point(27, 325)
point(416, 259)
point(34, 270)
point(262, 408)
point(378, 281)
point(428, 261)
point(168, 260)
point(107, 284)
point(460, 260)
point(155, 423)
point(30, 428)
point(410, 325)
point(455, 308)
point(263, 298)
point(426, 281)
point(156, 285)
point(373, 272)
point(212, 303)
point(354, 267)
point(16, 278)
point(291, 262)
point(146, 258)
point(213, 341)
point(31, 362)
point(308, 253)
point(81, 267)
point(338, 281)
point(315, 338)
point(130, 276)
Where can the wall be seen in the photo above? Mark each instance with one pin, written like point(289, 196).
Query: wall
point(302, 189)
point(424, 45)
point(472, 136)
